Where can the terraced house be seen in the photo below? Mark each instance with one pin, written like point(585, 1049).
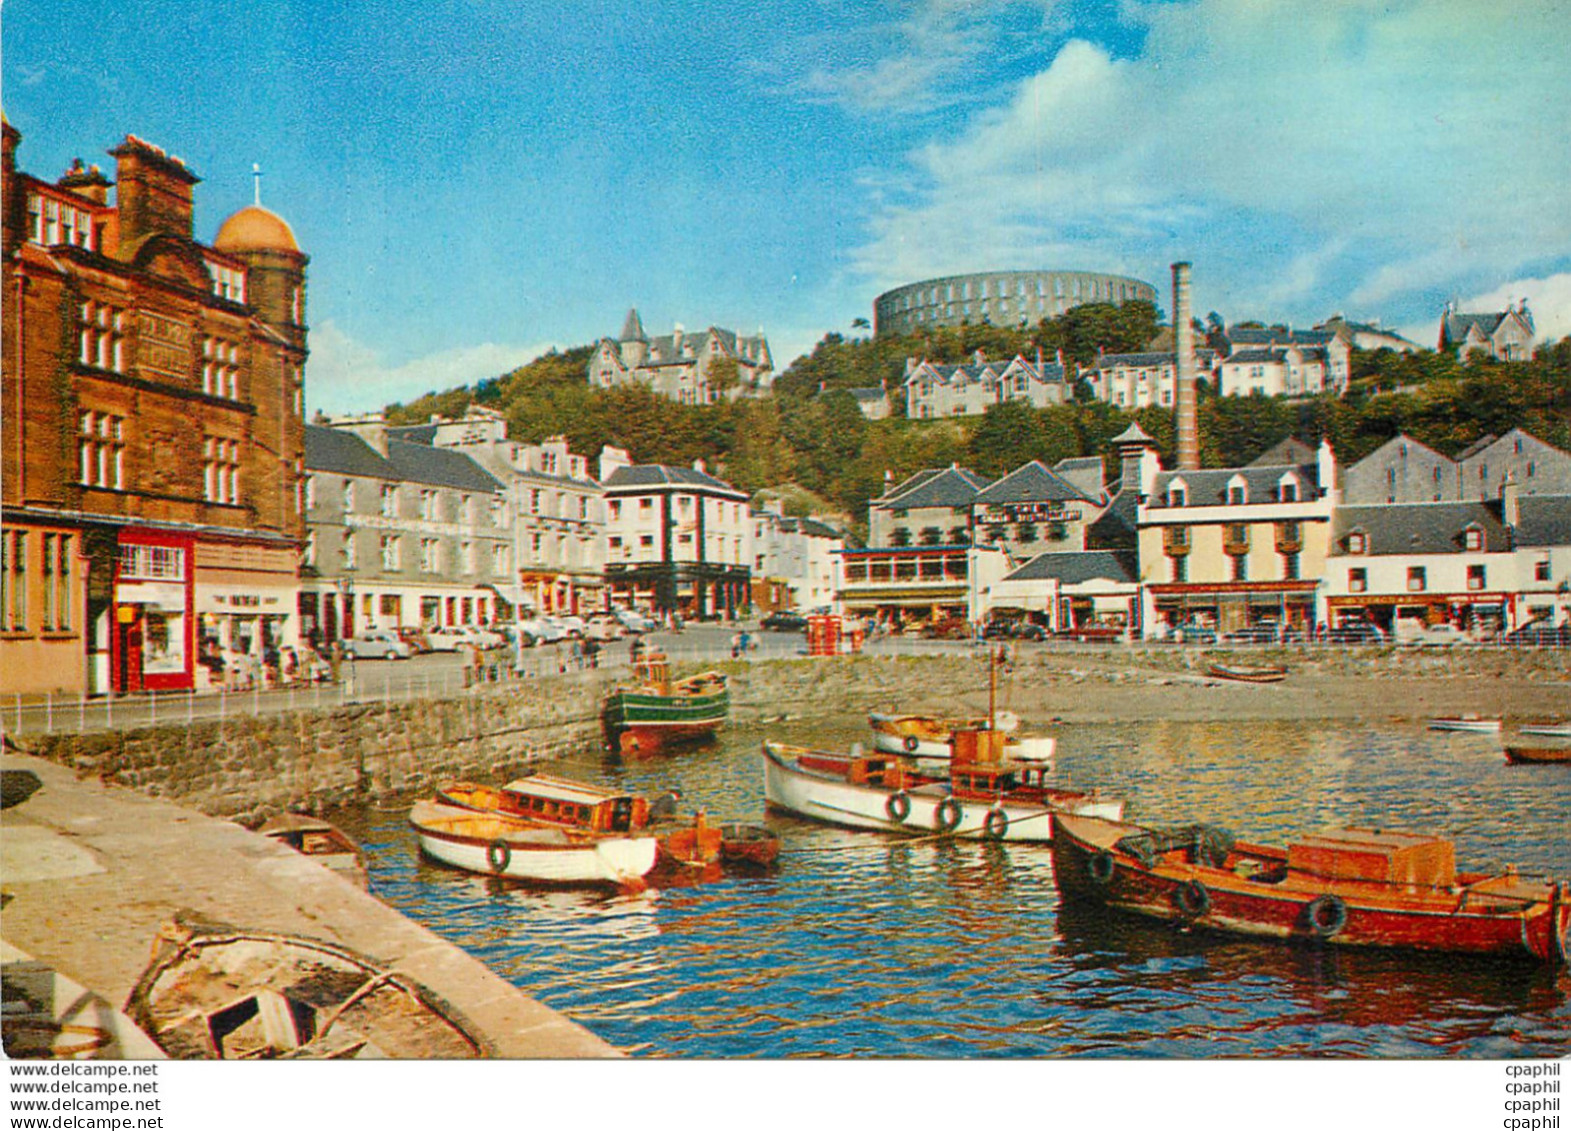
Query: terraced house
point(400, 534)
point(154, 440)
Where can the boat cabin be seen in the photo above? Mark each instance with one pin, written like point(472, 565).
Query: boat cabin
point(887, 771)
point(1374, 856)
point(558, 801)
point(653, 669)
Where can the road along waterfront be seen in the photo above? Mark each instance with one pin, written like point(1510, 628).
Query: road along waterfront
point(864, 945)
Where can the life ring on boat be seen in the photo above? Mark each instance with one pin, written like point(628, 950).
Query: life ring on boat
point(1101, 868)
point(946, 818)
point(499, 854)
point(997, 823)
point(1192, 899)
point(911, 743)
point(898, 806)
point(1326, 915)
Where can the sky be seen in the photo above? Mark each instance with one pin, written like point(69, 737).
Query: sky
point(477, 181)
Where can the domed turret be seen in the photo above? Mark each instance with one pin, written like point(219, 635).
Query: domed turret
point(254, 228)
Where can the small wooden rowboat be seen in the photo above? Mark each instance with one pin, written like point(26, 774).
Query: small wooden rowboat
point(213, 992)
point(984, 797)
point(929, 739)
point(536, 851)
point(1536, 754)
point(326, 844)
point(1475, 724)
point(1546, 730)
point(748, 844)
point(660, 712)
point(1239, 674)
point(1348, 887)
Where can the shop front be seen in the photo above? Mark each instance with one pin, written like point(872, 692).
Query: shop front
point(1484, 613)
point(1236, 606)
point(152, 630)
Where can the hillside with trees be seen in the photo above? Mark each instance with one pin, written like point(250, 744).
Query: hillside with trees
point(810, 435)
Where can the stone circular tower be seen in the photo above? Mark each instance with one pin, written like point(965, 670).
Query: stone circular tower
point(1000, 298)
point(275, 267)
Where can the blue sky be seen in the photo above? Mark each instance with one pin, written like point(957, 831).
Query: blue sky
point(478, 180)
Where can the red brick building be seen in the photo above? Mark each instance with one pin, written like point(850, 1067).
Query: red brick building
point(153, 439)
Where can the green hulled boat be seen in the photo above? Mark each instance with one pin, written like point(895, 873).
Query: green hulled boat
point(660, 712)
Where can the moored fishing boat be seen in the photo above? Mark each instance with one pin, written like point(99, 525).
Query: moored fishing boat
point(1241, 674)
point(983, 798)
point(324, 843)
point(660, 711)
point(1347, 887)
point(536, 851)
point(1474, 724)
point(547, 799)
point(1546, 730)
point(928, 738)
point(1538, 754)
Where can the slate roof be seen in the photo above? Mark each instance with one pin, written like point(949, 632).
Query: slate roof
point(1031, 483)
point(1292, 450)
point(1208, 487)
point(439, 467)
point(1118, 525)
point(951, 487)
point(1454, 327)
point(1274, 355)
point(961, 374)
point(1134, 434)
point(661, 475)
point(413, 433)
point(1544, 520)
point(335, 450)
point(633, 327)
point(1085, 472)
point(1261, 336)
point(911, 482)
point(1146, 360)
point(1075, 567)
point(1418, 528)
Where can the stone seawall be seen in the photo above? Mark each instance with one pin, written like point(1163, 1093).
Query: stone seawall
point(248, 768)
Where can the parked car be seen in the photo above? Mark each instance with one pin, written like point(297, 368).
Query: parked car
point(377, 644)
point(603, 626)
point(947, 628)
point(1430, 636)
point(1356, 632)
point(1539, 634)
point(541, 630)
point(1003, 629)
point(784, 621)
point(453, 637)
point(1192, 632)
point(570, 625)
point(632, 620)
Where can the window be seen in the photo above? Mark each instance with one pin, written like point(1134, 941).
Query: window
point(102, 336)
point(1180, 568)
point(931, 536)
point(534, 501)
point(1357, 580)
point(583, 506)
point(1475, 577)
point(1240, 567)
point(1026, 532)
point(499, 563)
point(428, 505)
point(389, 501)
point(348, 551)
point(1287, 532)
point(646, 506)
point(101, 450)
point(310, 549)
point(1290, 492)
point(1473, 538)
point(1541, 570)
point(1235, 496)
point(152, 563)
point(1290, 566)
point(1417, 579)
point(1176, 496)
point(430, 556)
point(221, 471)
point(13, 609)
point(349, 495)
point(220, 368)
point(1237, 534)
point(1357, 543)
point(390, 551)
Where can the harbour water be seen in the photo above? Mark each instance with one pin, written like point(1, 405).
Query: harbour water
point(864, 945)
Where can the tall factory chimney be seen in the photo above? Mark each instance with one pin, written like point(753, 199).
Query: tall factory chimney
point(1184, 363)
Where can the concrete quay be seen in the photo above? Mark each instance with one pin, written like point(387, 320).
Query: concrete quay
point(90, 872)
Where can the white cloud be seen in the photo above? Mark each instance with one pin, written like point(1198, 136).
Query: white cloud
point(912, 64)
point(346, 375)
point(1298, 154)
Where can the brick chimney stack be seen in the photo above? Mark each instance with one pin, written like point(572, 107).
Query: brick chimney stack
point(1184, 362)
point(152, 192)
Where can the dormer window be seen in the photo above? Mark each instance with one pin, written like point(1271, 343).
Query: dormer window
point(1358, 543)
point(1473, 538)
point(1290, 491)
point(1176, 495)
point(1235, 496)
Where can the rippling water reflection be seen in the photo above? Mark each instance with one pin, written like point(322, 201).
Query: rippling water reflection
point(860, 945)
